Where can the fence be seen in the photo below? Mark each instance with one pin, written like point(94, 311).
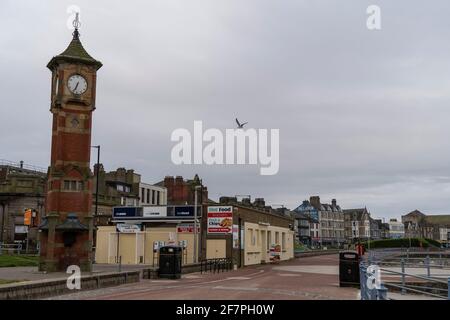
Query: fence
point(6, 248)
point(427, 286)
point(370, 290)
point(216, 265)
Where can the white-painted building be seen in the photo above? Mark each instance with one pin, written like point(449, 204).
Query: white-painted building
point(152, 195)
point(396, 229)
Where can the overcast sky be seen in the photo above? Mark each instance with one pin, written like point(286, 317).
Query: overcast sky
point(363, 115)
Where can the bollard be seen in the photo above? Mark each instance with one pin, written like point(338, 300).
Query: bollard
point(448, 288)
point(427, 261)
point(403, 276)
point(382, 293)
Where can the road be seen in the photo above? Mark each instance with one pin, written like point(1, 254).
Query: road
point(312, 278)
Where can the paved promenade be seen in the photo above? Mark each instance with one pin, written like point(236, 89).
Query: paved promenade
point(312, 278)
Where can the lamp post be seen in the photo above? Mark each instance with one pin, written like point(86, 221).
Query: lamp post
point(195, 226)
point(96, 183)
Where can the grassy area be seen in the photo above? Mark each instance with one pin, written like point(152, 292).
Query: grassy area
point(402, 243)
point(4, 281)
point(18, 261)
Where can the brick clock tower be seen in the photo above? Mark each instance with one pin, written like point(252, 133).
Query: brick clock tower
point(66, 233)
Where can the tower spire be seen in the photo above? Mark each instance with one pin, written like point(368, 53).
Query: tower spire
point(76, 24)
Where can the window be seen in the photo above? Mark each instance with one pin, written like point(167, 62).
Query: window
point(73, 185)
point(269, 240)
point(153, 196)
point(148, 195)
point(119, 187)
point(157, 197)
point(277, 238)
point(142, 195)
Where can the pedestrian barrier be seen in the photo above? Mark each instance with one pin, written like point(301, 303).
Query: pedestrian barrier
point(371, 288)
point(216, 265)
point(408, 283)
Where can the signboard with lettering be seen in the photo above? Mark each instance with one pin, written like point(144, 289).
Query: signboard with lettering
point(187, 228)
point(155, 211)
point(128, 228)
point(122, 212)
point(27, 217)
point(186, 211)
point(220, 220)
point(275, 251)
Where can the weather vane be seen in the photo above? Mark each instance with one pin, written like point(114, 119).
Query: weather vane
point(76, 24)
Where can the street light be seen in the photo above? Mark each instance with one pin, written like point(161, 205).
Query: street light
point(96, 184)
point(195, 226)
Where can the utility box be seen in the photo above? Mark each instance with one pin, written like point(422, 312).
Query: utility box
point(349, 269)
point(170, 262)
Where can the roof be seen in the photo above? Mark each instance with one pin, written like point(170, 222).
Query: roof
point(438, 219)
point(414, 213)
point(356, 213)
point(75, 52)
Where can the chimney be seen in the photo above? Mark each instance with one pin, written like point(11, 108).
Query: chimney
point(259, 202)
point(246, 201)
point(21, 164)
point(179, 180)
point(333, 202)
point(168, 181)
point(315, 201)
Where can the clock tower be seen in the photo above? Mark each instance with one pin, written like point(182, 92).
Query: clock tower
point(66, 232)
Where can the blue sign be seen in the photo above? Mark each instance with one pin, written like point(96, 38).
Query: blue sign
point(185, 211)
point(121, 212)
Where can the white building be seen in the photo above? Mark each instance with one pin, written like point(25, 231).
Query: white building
point(396, 229)
point(152, 195)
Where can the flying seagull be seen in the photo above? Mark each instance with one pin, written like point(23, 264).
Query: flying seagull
point(240, 126)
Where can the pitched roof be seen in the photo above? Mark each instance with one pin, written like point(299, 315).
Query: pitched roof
point(415, 212)
point(75, 52)
point(438, 219)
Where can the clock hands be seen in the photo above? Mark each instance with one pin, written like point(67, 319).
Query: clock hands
point(76, 86)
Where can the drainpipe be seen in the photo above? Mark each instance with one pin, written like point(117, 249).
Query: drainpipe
point(3, 221)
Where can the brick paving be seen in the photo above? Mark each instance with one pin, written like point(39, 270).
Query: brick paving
point(284, 281)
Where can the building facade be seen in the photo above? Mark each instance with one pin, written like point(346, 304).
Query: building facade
point(420, 225)
point(330, 218)
point(22, 187)
point(251, 235)
point(357, 224)
point(396, 229)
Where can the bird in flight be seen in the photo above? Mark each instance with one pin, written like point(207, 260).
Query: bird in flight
point(240, 126)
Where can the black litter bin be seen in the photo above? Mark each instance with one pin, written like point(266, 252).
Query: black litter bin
point(170, 262)
point(349, 269)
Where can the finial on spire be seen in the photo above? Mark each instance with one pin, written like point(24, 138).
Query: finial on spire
point(76, 24)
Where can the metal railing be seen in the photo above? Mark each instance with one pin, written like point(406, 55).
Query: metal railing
point(11, 248)
point(370, 292)
point(425, 285)
point(22, 165)
point(216, 265)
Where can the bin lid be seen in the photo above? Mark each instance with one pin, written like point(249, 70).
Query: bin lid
point(349, 254)
point(170, 249)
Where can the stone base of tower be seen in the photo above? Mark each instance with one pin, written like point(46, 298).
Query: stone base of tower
point(61, 249)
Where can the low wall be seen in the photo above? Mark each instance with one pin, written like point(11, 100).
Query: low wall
point(315, 253)
point(152, 273)
point(46, 288)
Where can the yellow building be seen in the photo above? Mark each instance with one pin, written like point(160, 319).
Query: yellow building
point(250, 236)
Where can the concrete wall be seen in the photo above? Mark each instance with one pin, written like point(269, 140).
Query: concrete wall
point(46, 288)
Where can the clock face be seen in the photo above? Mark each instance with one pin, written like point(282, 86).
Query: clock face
point(77, 84)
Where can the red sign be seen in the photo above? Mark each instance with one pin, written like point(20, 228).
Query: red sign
point(220, 220)
point(187, 228)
